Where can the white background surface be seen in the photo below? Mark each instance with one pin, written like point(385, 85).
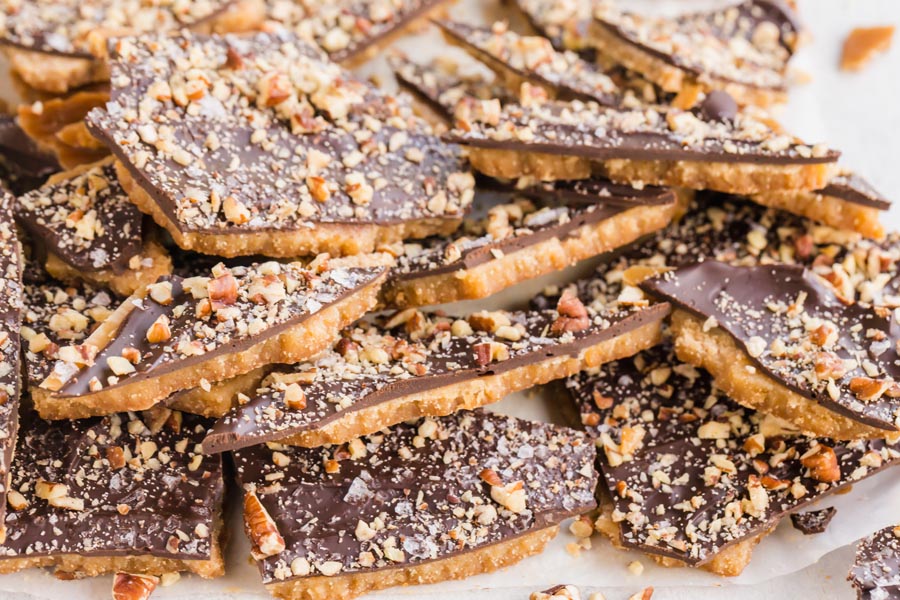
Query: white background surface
point(856, 113)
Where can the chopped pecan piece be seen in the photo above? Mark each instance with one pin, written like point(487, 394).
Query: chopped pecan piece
point(868, 389)
point(261, 528)
point(128, 586)
point(223, 291)
point(823, 464)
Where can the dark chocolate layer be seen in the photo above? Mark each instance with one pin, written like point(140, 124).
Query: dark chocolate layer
point(812, 522)
point(855, 189)
point(57, 315)
point(206, 317)
point(876, 572)
point(245, 148)
point(123, 485)
point(601, 133)
point(417, 495)
point(799, 333)
point(86, 220)
point(689, 471)
point(11, 307)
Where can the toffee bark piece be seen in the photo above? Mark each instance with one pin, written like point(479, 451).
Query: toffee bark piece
point(693, 477)
point(813, 522)
point(10, 343)
point(178, 334)
point(743, 50)
point(128, 492)
point(352, 31)
point(439, 86)
point(288, 165)
point(418, 364)
point(526, 238)
point(83, 222)
point(653, 145)
point(23, 164)
point(876, 571)
point(517, 59)
point(778, 340)
point(57, 125)
point(434, 500)
point(59, 45)
point(57, 315)
point(848, 202)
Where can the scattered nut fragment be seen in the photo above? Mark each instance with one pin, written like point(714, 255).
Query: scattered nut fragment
point(822, 463)
point(862, 44)
point(261, 528)
point(127, 586)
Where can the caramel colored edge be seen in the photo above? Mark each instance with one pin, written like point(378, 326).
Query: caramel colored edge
point(297, 343)
point(734, 373)
point(469, 563)
point(336, 239)
point(476, 392)
point(736, 178)
point(533, 261)
point(829, 210)
point(220, 398)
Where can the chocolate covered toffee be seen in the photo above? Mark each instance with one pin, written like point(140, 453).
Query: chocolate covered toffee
point(694, 478)
point(296, 156)
point(779, 340)
point(60, 45)
point(742, 49)
point(418, 364)
point(541, 230)
point(179, 333)
point(428, 501)
point(128, 493)
point(876, 571)
point(712, 148)
point(83, 222)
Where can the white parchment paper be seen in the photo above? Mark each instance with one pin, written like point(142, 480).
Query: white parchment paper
point(856, 113)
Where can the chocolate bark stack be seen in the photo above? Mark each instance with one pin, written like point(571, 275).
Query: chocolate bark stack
point(253, 268)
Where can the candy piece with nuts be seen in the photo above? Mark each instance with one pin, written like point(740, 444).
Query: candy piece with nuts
point(517, 59)
point(450, 497)
point(181, 333)
point(778, 340)
point(743, 49)
point(731, 152)
point(11, 310)
point(564, 22)
point(876, 571)
point(318, 161)
point(128, 492)
point(525, 235)
point(83, 222)
point(694, 478)
point(415, 364)
point(352, 31)
point(61, 45)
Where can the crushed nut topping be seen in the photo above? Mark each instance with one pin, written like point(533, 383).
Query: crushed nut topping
point(347, 520)
point(280, 131)
point(687, 495)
